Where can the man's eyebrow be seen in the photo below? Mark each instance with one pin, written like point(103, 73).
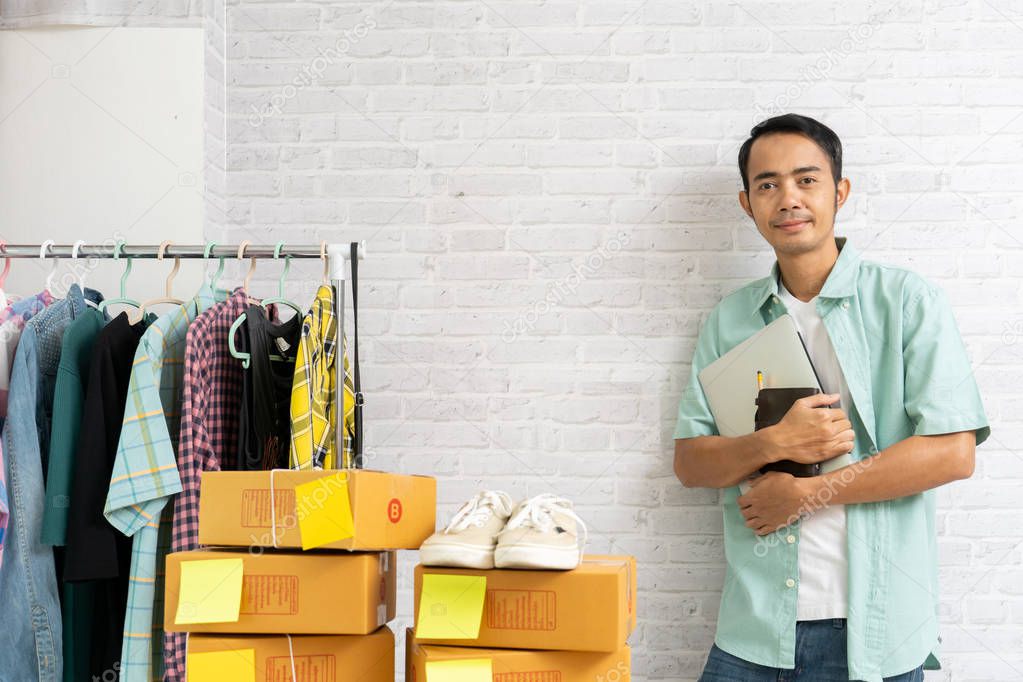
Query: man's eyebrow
point(796, 171)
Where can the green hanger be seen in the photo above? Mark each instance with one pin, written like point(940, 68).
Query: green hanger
point(220, 270)
point(123, 299)
point(279, 298)
point(246, 358)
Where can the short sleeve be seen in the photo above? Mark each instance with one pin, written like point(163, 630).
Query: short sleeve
point(940, 391)
point(145, 471)
point(694, 415)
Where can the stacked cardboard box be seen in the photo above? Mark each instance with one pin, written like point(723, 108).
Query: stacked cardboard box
point(525, 625)
point(298, 580)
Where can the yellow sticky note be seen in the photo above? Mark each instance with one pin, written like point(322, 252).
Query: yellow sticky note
point(466, 670)
point(210, 591)
point(451, 606)
point(237, 665)
point(324, 511)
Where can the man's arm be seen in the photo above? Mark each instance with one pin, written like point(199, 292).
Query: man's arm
point(908, 467)
point(805, 434)
point(720, 461)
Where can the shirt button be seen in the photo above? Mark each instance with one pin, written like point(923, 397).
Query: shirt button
point(790, 583)
point(790, 539)
point(845, 304)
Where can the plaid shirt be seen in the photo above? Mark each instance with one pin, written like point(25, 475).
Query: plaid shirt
point(144, 478)
point(313, 406)
point(209, 433)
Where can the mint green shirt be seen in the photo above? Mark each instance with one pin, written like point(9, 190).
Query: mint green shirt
point(908, 374)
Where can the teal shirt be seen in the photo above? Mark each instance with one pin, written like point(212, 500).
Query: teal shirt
point(908, 373)
point(75, 352)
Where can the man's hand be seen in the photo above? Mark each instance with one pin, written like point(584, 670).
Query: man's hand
point(810, 433)
point(775, 500)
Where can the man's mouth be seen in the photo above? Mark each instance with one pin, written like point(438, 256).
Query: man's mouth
point(793, 225)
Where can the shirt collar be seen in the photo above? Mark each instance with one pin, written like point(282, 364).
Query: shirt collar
point(841, 282)
point(207, 296)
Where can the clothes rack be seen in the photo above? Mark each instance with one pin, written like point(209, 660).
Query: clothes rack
point(337, 254)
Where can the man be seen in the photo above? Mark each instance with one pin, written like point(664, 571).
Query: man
point(831, 577)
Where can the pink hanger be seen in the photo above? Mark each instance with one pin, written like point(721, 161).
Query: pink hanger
point(7, 264)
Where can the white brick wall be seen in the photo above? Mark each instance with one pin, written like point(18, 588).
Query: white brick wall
point(548, 191)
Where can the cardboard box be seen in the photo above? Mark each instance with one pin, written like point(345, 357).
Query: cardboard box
point(389, 511)
point(590, 608)
point(329, 658)
point(517, 665)
point(322, 593)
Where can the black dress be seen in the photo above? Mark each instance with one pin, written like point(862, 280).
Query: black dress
point(264, 436)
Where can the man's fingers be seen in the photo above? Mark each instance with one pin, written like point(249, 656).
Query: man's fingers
point(819, 399)
point(840, 426)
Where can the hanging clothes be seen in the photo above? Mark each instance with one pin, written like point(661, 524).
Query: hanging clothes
point(69, 393)
point(313, 404)
point(31, 634)
point(145, 477)
point(209, 433)
point(12, 320)
point(96, 552)
point(68, 396)
point(264, 425)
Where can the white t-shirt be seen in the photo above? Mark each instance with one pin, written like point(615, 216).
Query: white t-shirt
point(823, 552)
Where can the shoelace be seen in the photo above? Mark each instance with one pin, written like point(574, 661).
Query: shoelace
point(479, 508)
point(538, 512)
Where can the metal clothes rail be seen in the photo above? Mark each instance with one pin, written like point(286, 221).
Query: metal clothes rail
point(337, 255)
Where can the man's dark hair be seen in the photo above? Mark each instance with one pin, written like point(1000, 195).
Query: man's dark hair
point(824, 136)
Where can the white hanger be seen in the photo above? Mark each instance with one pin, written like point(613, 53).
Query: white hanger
point(248, 275)
point(43, 248)
point(326, 264)
point(168, 297)
point(81, 273)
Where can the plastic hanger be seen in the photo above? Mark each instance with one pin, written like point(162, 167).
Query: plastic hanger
point(220, 270)
point(81, 273)
point(246, 358)
point(325, 280)
point(123, 298)
point(3, 275)
point(43, 248)
point(168, 296)
point(279, 298)
point(248, 275)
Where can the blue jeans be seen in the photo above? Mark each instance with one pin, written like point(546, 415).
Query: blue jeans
point(820, 657)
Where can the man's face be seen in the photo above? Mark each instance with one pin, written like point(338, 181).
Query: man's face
point(792, 196)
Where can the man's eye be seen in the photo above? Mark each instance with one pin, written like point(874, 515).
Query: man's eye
point(765, 185)
point(811, 179)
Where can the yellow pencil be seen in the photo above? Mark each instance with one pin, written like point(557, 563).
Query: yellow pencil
point(760, 380)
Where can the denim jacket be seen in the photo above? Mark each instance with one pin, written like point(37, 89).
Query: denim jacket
point(30, 639)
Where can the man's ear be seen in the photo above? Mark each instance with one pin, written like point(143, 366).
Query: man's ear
point(744, 202)
point(842, 192)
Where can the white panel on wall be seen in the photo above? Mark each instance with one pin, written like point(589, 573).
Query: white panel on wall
point(101, 131)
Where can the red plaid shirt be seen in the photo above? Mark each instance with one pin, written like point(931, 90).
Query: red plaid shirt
point(209, 433)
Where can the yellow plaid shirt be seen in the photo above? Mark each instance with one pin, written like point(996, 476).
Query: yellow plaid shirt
point(313, 407)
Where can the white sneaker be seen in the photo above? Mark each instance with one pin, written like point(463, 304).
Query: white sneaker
point(543, 532)
point(469, 540)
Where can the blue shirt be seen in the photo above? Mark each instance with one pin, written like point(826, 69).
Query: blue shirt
point(908, 374)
